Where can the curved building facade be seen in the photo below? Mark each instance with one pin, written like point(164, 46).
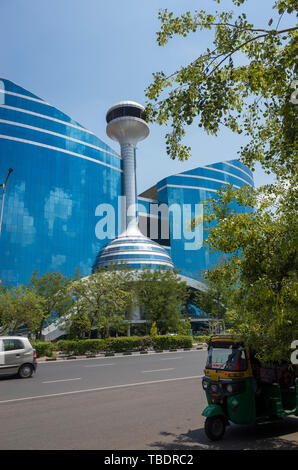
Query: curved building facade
point(167, 209)
point(135, 251)
point(61, 174)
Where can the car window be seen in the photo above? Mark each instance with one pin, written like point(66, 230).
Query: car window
point(12, 344)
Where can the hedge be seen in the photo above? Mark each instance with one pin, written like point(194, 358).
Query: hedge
point(80, 346)
point(43, 348)
point(121, 344)
point(171, 342)
point(129, 343)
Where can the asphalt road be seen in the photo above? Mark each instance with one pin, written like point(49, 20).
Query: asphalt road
point(151, 402)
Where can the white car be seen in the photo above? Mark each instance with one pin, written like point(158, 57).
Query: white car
point(17, 356)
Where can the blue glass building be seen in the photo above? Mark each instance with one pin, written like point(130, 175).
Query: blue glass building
point(63, 175)
point(183, 194)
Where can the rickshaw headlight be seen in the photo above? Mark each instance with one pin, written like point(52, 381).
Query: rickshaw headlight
point(236, 387)
point(214, 388)
point(205, 384)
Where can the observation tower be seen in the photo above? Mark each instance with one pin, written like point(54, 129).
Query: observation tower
point(126, 124)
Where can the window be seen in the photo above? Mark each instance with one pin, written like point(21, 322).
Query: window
point(226, 357)
point(123, 111)
point(12, 344)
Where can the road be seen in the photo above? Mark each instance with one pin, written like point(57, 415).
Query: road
point(143, 402)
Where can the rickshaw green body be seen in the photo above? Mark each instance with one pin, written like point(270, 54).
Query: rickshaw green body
point(238, 408)
point(236, 396)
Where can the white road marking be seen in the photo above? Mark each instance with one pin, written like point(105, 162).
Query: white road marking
point(170, 358)
point(62, 380)
point(156, 370)
point(101, 365)
point(75, 392)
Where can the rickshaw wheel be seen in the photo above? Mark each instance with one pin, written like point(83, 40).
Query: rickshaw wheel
point(215, 427)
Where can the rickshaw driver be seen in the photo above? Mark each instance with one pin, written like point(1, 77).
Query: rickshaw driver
point(235, 360)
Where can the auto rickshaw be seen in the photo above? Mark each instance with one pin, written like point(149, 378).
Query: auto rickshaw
point(242, 391)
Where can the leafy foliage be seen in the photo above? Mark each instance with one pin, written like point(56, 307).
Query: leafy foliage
point(153, 330)
point(105, 297)
point(20, 307)
point(80, 325)
point(163, 295)
point(43, 348)
point(213, 300)
point(242, 81)
point(184, 327)
point(54, 288)
point(262, 304)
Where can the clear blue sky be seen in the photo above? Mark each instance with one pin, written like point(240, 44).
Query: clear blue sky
point(82, 56)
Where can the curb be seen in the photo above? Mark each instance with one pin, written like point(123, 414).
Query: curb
point(126, 353)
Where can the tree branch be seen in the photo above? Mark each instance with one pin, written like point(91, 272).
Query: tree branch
point(235, 50)
point(247, 42)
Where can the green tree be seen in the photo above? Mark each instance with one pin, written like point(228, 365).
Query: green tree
point(80, 325)
point(213, 300)
point(54, 288)
point(153, 330)
point(242, 81)
point(105, 297)
point(163, 296)
point(120, 325)
point(20, 307)
point(261, 266)
point(184, 327)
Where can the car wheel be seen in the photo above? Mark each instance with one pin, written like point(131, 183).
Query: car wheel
point(25, 371)
point(215, 427)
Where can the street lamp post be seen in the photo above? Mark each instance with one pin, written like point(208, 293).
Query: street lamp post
point(3, 196)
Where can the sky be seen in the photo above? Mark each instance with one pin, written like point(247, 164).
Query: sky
point(83, 56)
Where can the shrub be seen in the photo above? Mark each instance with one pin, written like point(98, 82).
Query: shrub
point(80, 346)
point(168, 342)
point(130, 343)
point(93, 345)
point(153, 330)
point(43, 348)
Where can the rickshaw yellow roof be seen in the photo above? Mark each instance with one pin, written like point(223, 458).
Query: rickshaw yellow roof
point(223, 338)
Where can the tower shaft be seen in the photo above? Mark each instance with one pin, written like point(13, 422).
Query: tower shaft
point(129, 183)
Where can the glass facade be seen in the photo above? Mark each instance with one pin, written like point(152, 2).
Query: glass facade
point(61, 173)
point(178, 199)
point(64, 176)
point(185, 193)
